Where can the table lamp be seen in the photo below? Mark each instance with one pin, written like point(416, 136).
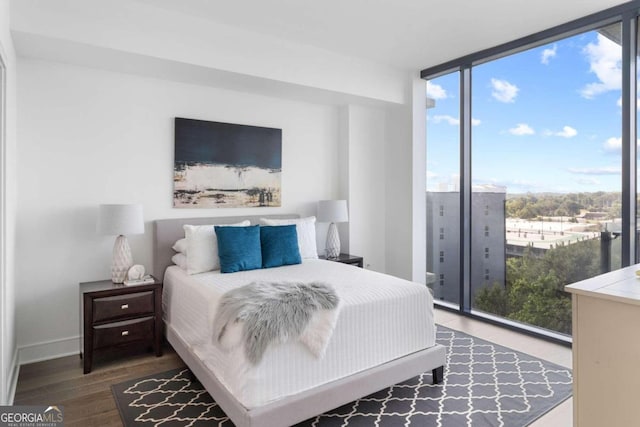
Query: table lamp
point(118, 220)
point(333, 211)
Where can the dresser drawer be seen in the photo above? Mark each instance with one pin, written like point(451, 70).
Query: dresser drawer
point(124, 332)
point(122, 306)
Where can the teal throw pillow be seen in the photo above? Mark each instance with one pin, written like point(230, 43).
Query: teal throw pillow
point(279, 246)
point(239, 248)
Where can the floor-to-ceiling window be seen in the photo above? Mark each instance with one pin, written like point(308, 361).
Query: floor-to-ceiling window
point(546, 175)
point(544, 166)
point(443, 188)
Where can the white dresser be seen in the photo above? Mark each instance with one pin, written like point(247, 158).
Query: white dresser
point(606, 349)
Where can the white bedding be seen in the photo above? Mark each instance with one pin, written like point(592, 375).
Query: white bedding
point(381, 318)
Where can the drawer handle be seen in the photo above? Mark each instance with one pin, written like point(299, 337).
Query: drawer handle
point(125, 333)
point(124, 306)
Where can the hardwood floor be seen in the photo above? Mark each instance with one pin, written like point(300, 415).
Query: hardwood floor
point(88, 401)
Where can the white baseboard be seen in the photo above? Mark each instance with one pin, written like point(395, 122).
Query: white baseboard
point(12, 381)
point(48, 350)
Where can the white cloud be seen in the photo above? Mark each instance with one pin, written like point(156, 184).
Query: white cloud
point(447, 119)
point(605, 61)
point(607, 170)
point(513, 185)
point(548, 53)
point(435, 91)
point(521, 129)
point(504, 91)
point(567, 132)
point(588, 181)
point(452, 120)
point(613, 144)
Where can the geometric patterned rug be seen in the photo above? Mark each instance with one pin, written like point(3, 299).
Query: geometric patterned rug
point(485, 384)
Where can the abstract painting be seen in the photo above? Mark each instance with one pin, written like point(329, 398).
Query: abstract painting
point(226, 165)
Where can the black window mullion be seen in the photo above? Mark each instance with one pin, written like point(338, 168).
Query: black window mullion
point(629, 138)
point(465, 189)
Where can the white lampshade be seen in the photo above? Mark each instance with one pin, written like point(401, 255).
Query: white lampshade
point(332, 211)
point(118, 220)
point(115, 220)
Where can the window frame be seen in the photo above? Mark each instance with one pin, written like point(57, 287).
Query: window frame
point(628, 15)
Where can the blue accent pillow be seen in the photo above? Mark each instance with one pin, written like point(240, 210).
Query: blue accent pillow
point(279, 245)
point(239, 248)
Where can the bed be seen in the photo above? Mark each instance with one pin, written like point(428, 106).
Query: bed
point(289, 385)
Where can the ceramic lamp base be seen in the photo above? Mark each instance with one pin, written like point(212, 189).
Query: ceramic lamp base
point(333, 242)
point(122, 260)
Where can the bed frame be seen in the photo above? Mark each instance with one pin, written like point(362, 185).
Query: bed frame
point(299, 407)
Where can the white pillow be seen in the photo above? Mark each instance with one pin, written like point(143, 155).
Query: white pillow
point(180, 260)
point(180, 246)
point(306, 229)
point(202, 247)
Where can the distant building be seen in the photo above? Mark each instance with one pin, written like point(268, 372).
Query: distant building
point(538, 236)
point(487, 240)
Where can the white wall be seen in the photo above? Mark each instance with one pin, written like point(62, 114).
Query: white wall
point(89, 137)
point(399, 195)
point(8, 350)
point(366, 138)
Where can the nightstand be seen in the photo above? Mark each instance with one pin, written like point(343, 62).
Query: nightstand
point(116, 316)
point(348, 259)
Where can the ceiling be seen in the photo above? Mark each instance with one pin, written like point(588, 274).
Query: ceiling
point(407, 34)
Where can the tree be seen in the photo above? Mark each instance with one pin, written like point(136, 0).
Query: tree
point(541, 303)
point(534, 292)
point(493, 299)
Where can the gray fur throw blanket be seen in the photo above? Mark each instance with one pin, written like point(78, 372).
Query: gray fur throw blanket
point(261, 313)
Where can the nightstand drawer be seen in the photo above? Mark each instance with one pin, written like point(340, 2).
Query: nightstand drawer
point(114, 315)
point(123, 332)
point(122, 306)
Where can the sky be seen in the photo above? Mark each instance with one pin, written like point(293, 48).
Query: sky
point(544, 120)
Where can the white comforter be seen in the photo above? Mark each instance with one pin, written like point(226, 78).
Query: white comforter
point(381, 318)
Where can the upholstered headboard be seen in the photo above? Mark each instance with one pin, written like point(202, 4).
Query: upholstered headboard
point(167, 231)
